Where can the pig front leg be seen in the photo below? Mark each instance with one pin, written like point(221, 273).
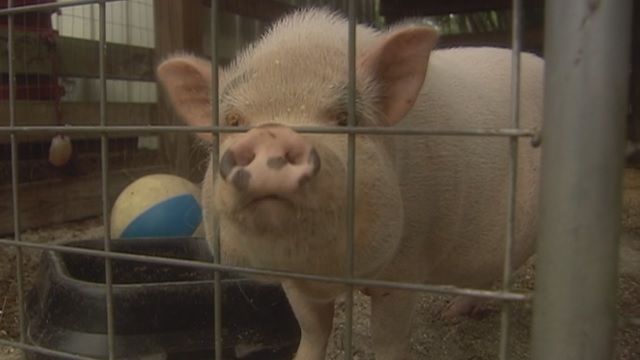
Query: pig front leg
point(391, 317)
point(315, 318)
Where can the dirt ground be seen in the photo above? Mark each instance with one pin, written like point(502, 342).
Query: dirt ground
point(474, 338)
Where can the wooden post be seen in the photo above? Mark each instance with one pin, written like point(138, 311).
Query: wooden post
point(178, 28)
point(633, 130)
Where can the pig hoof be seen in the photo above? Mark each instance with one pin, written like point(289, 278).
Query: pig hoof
point(465, 306)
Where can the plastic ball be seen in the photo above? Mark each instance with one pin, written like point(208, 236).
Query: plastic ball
point(157, 206)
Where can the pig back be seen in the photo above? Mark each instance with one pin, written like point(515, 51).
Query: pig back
point(455, 188)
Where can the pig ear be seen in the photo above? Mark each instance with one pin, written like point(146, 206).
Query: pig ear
point(399, 61)
point(187, 81)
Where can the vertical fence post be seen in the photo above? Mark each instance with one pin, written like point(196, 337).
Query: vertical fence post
point(104, 175)
point(15, 182)
point(215, 152)
point(587, 62)
point(351, 175)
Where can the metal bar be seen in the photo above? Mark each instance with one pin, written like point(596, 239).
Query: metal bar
point(49, 6)
point(586, 82)
point(351, 174)
point(215, 151)
point(436, 289)
point(507, 274)
point(497, 132)
point(44, 351)
point(15, 185)
point(104, 165)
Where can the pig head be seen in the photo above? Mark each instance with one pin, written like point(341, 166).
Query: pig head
point(279, 196)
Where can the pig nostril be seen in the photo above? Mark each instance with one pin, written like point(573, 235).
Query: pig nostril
point(241, 179)
point(314, 161)
point(277, 162)
point(227, 163)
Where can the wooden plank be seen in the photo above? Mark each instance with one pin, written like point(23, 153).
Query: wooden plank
point(395, 9)
point(76, 57)
point(62, 200)
point(30, 51)
point(33, 165)
point(633, 125)
point(178, 28)
point(265, 10)
point(42, 113)
point(79, 58)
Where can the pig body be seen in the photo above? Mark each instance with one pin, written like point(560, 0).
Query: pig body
point(428, 208)
point(455, 188)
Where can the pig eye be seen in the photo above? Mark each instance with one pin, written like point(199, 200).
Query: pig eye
point(233, 119)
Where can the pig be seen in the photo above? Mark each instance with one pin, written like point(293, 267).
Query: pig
point(428, 209)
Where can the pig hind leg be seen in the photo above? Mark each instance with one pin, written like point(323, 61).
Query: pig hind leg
point(391, 316)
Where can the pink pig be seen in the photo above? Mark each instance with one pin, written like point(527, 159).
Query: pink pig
point(427, 208)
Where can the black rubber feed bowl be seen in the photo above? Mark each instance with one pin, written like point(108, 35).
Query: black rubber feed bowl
point(160, 311)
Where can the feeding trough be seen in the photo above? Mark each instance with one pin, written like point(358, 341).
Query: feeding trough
point(160, 311)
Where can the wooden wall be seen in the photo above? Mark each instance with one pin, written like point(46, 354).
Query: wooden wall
point(50, 195)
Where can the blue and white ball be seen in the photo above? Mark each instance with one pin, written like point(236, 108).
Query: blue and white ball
point(157, 205)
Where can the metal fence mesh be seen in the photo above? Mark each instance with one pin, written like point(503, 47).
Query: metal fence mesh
point(100, 29)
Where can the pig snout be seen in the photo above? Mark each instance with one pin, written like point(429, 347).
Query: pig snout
point(269, 160)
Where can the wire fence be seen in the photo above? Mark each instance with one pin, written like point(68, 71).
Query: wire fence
point(506, 294)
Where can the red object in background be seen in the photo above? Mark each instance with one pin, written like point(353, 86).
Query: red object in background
point(32, 86)
point(34, 21)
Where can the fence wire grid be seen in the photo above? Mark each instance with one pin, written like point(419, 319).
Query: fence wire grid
point(506, 295)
